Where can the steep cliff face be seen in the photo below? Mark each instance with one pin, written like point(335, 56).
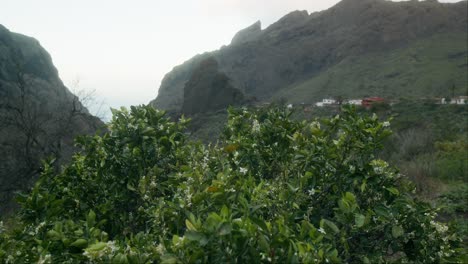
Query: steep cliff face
point(313, 51)
point(209, 90)
point(39, 116)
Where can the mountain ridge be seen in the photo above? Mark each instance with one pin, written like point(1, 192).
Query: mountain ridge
point(39, 115)
point(301, 46)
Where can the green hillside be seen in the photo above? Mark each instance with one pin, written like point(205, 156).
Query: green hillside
point(419, 70)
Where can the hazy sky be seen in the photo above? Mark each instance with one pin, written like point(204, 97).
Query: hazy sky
point(123, 49)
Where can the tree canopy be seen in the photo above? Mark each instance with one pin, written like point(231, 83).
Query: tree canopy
point(272, 190)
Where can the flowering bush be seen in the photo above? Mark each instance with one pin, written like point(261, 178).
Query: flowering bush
point(272, 190)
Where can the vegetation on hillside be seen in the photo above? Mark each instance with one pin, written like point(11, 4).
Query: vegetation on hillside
point(425, 68)
point(273, 190)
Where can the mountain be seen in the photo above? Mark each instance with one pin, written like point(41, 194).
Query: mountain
point(39, 116)
point(209, 90)
point(356, 48)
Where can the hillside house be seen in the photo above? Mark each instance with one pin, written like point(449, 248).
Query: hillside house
point(368, 102)
point(459, 100)
point(354, 102)
point(326, 102)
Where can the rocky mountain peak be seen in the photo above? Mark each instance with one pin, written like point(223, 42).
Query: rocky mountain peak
point(248, 34)
point(209, 89)
point(39, 116)
point(333, 52)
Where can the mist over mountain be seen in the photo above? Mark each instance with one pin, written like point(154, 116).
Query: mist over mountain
point(357, 48)
point(39, 116)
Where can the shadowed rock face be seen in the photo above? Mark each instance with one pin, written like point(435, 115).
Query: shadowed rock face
point(209, 90)
point(299, 47)
point(39, 116)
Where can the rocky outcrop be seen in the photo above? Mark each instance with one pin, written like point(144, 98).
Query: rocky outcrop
point(248, 34)
point(209, 90)
point(39, 116)
point(301, 46)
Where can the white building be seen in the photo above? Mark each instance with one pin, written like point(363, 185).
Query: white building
point(459, 100)
point(354, 102)
point(329, 101)
point(326, 102)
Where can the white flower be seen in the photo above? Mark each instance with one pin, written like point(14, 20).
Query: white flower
point(386, 124)
point(441, 228)
point(153, 184)
point(161, 249)
point(39, 227)
point(243, 170)
point(379, 166)
point(10, 259)
point(45, 259)
point(111, 245)
point(255, 126)
point(321, 230)
point(311, 191)
point(315, 125)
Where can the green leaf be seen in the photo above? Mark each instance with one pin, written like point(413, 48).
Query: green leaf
point(350, 197)
point(190, 226)
point(130, 187)
point(96, 247)
point(224, 212)
point(363, 186)
point(393, 190)
point(120, 259)
point(344, 206)
point(196, 236)
point(359, 220)
point(397, 231)
point(91, 218)
point(175, 240)
point(80, 243)
point(330, 225)
point(225, 229)
point(54, 235)
point(169, 259)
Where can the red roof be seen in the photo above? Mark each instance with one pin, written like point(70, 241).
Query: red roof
point(374, 99)
point(370, 100)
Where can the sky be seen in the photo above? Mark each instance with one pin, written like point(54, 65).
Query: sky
point(120, 49)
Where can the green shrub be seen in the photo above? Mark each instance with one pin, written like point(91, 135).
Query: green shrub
point(452, 160)
point(273, 190)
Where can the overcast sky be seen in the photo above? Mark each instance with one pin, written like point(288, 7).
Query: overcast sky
point(122, 48)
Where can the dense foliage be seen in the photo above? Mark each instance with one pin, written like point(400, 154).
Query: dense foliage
point(272, 190)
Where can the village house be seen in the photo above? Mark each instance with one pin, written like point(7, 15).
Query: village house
point(354, 102)
point(458, 100)
point(368, 102)
point(326, 102)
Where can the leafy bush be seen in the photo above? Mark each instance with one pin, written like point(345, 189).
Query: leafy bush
point(452, 160)
point(453, 207)
point(272, 190)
